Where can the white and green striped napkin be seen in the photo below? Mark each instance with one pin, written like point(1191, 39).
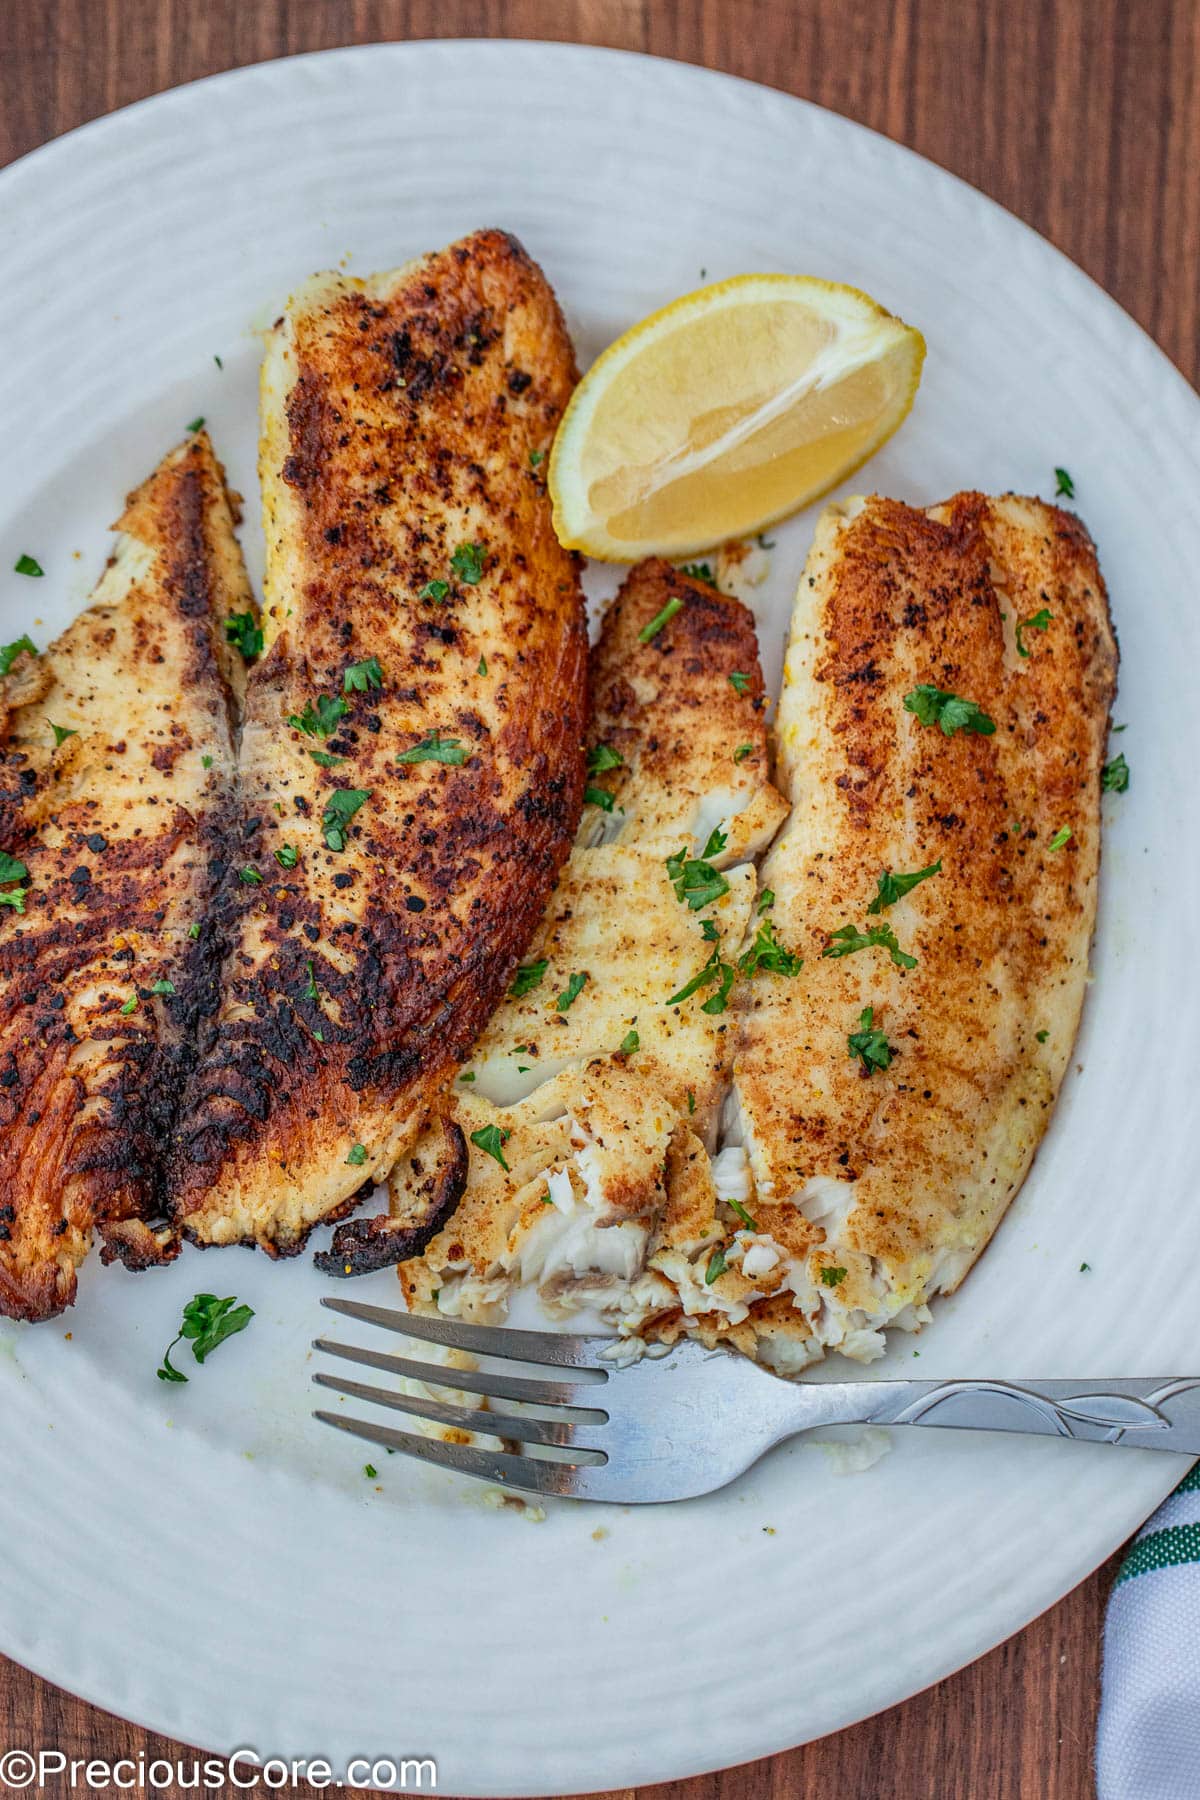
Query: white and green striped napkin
point(1148, 1742)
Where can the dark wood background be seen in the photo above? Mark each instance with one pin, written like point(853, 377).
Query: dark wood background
point(1082, 116)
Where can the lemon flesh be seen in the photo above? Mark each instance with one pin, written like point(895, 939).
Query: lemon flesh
point(724, 412)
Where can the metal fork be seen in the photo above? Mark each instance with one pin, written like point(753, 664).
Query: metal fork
point(672, 1426)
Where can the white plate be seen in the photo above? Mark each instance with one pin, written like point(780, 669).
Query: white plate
point(210, 1562)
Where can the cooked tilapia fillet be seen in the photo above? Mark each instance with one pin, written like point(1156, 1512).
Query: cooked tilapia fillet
point(871, 1192)
point(375, 906)
point(588, 1098)
point(101, 981)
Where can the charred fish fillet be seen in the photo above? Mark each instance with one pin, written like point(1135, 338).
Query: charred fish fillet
point(941, 738)
point(598, 1083)
point(412, 760)
point(116, 770)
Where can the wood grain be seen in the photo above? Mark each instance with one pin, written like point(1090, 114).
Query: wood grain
point(1083, 117)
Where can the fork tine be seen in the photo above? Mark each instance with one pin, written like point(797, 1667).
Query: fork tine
point(531, 1476)
point(462, 1418)
point(485, 1340)
point(471, 1381)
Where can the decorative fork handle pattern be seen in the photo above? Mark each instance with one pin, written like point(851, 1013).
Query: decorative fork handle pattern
point(1153, 1413)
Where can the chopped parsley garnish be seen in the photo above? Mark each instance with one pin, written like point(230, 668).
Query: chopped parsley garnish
point(699, 572)
point(193, 931)
point(481, 666)
point(714, 970)
point(767, 953)
point(1114, 776)
point(739, 682)
point(1085, 1268)
point(766, 900)
point(10, 652)
point(575, 986)
point(163, 986)
point(831, 1277)
point(362, 675)
point(287, 856)
point(321, 720)
point(129, 1006)
point(312, 991)
point(1042, 1035)
point(490, 1139)
point(244, 634)
point(601, 758)
point(325, 760)
point(1038, 621)
point(207, 1322)
point(467, 563)
point(849, 938)
point(206, 762)
point(742, 752)
point(340, 808)
point(218, 361)
point(694, 879)
point(528, 977)
point(935, 706)
point(1061, 839)
point(357, 1155)
point(893, 887)
point(434, 590)
point(1063, 484)
point(27, 565)
point(11, 867)
point(14, 897)
point(629, 1043)
point(741, 1212)
point(369, 1469)
point(674, 605)
point(196, 424)
point(250, 876)
point(536, 457)
point(433, 748)
point(691, 1100)
point(870, 1044)
point(594, 796)
point(716, 1266)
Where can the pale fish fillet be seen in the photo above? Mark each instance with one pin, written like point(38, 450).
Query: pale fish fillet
point(590, 1097)
point(118, 815)
point(417, 604)
point(868, 1194)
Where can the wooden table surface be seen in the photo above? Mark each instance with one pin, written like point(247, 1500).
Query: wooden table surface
point(1083, 117)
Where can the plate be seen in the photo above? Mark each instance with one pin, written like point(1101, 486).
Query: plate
point(213, 1564)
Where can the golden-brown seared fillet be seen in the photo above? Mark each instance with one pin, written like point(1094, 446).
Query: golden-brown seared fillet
point(588, 1096)
point(117, 816)
point(872, 1191)
point(418, 606)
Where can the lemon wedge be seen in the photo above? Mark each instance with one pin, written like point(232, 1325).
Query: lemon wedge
point(727, 410)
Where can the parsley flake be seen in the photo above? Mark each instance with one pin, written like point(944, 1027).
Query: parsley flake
point(196, 425)
point(893, 887)
point(467, 563)
point(1063, 484)
point(481, 666)
point(742, 752)
point(536, 457)
point(741, 1212)
point(325, 760)
point(27, 565)
point(193, 931)
point(699, 572)
point(287, 856)
point(490, 1139)
point(935, 706)
point(434, 590)
point(849, 938)
point(601, 758)
point(716, 1266)
point(629, 1043)
point(360, 676)
point(250, 876)
point(163, 986)
point(340, 808)
point(575, 986)
point(713, 970)
point(245, 634)
point(527, 978)
point(739, 682)
point(207, 1322)
point(10, 652)
point(1038, 621)
point(321, 720)
point(1114, 776)
point(766, 952)
point(61, 733)
point(206, 762)
point(1041, 1036)
point(433, 748)
point(357, 1155)
point(674, 605)
point(1061, 839)
point(870, 1044)
point(11, 867)
point(129, 1006)
point(369, 1469)
point(831, 1277)
point(694, 879)
point(594, 796)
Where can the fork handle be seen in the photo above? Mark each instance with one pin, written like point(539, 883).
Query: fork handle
point(1152, 1413)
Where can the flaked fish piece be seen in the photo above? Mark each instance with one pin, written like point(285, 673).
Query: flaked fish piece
point(615, 1041)
point(116, 774)
point(412, 756)
point(944, 716)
